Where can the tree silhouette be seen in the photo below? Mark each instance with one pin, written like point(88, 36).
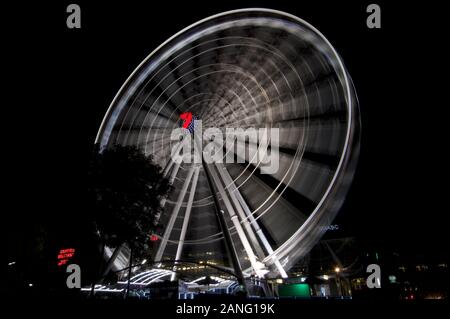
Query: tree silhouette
point(125, 189)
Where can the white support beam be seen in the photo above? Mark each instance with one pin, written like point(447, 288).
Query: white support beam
point(171, 180)
point(171, 161)
point(232, 190)
point(259, 232)
point(258, 267)
point(175, 212)
point(187, 217)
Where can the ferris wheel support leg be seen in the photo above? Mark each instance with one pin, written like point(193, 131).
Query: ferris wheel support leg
point(258, 267)
point(226, 233)
point(174, 174)
point(187, 217)
point(168, 168)
point(232, 190)
point(173, 218)
point(171, 180)
point(171, 162)
point(260, 233)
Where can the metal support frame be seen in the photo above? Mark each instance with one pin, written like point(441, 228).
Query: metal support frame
point(249, 216)
point(174, 215)
point(226, 233)
point(232, 190)
point(258, 267)
point(187, 217)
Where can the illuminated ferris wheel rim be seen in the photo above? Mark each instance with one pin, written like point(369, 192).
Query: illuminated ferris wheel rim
point(107, 125)
point(100, 139)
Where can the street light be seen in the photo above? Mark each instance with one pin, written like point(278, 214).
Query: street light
point(338, 281)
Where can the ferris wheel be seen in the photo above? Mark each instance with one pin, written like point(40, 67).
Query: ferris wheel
point(245, 69)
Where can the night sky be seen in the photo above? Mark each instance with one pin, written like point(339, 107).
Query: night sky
point(61, 82)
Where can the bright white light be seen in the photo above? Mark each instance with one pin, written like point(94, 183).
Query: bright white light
point(104, 290)
point(218, 279)
point(12, 263)
point(30, 285)
point(326, 277)
point(196, 280)
point(144, 262)
point(142, 277)
point(260, 270)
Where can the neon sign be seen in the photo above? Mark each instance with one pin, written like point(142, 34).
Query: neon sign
point(65, 255)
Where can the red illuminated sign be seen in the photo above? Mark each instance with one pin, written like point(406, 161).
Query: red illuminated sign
point(154, 238)
point(64, 255)
point(187, 118)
